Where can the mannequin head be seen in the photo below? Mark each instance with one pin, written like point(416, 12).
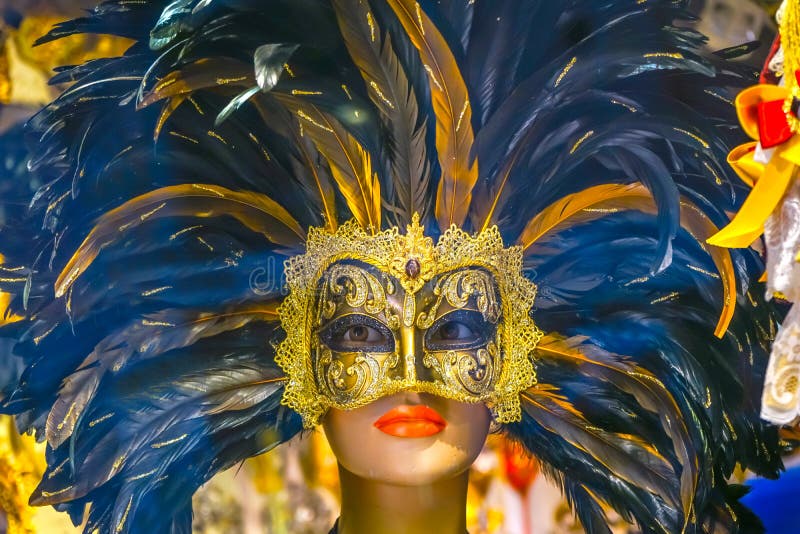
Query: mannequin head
point(407, 349)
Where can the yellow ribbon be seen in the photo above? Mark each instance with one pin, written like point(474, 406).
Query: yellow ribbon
point(744, 164)
point(769, 182)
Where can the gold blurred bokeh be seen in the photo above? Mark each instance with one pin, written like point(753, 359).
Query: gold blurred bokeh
point(25, 69)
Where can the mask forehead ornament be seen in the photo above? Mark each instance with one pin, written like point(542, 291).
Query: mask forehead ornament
point(404, 285)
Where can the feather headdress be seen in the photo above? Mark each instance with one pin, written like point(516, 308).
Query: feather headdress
point(178, 178)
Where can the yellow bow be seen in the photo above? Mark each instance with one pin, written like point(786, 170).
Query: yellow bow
point(769, 182)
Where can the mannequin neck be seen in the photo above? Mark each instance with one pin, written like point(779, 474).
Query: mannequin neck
point(375, 507)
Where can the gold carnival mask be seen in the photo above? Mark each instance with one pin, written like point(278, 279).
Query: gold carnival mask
point(373, 315)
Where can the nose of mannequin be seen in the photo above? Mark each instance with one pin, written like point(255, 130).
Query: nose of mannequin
point(413, 398)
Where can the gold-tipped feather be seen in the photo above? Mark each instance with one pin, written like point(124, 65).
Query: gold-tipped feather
point(169, 108)
point(240, 395)
point(391, 92)
point(350, 163)
point(628, 457)
point(78, 390)
point(701, 228)
point(600, 200)
point(648, 391)
point(486, 208)
point(454, 135)
point(595, 198)
point(322, 187)
point(202, 74)
point(254, 210)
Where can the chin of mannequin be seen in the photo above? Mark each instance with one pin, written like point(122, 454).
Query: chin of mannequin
point(369, 453)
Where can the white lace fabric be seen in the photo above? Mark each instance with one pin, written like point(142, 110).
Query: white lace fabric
point(781, 398)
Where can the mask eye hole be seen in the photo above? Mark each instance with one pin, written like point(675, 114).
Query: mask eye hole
point(357, 333)
point(455, 331)
point(459, 330)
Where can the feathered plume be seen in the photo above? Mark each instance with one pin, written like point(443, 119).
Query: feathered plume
point(350, 163)
point(389, 90)
point(454, 134)
point(147, 270)
point(152, 336)
point(598, 201)
point(257, 212)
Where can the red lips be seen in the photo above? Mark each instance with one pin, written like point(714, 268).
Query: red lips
point(411, 422)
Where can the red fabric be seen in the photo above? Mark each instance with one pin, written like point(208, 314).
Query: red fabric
point(520, 468)
point(767, 76)
point(773, 128)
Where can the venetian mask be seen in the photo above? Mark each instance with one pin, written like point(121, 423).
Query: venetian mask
point(370, 315)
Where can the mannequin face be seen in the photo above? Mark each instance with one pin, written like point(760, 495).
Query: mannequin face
point(429, 451)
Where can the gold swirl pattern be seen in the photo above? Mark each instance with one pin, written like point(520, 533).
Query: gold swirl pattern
point(457, 288)
point(470, 371)
point(359, 287)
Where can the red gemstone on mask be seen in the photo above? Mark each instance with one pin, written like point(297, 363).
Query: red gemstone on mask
point(412, 268)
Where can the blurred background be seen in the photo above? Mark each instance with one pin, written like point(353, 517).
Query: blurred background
point(294, 489)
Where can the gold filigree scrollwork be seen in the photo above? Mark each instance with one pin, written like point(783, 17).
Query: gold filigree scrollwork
point(409, 309)
point(476, 374)
point(458, 289)
point(392, 319)
point(357, 286)
point(366, 377)
point(473, 371)
point(426, 318)
point(331, 376)
point(460, 286)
